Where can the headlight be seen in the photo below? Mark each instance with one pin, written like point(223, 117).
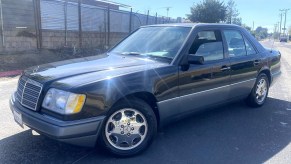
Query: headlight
point(63, 102)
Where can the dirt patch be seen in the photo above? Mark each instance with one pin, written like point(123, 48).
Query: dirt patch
point(23, 60)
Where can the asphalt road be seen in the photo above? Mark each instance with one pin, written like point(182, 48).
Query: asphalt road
point(233, 133)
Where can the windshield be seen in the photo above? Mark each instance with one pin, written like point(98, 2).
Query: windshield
point(162, 42)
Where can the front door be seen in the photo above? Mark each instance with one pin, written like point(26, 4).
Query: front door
point(206, 84)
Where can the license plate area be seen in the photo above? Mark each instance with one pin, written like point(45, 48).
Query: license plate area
point(18, 118)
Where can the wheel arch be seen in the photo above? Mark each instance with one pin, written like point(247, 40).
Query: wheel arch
point(148, 97)
point(266, 71)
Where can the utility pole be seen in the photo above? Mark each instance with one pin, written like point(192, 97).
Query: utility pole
point(253, 25)
point(286, 10)
point(280, 23)
point(80, 22)
point(167, 9)
point(130, 20)
point(147, 21)
point(283, 11)
point(275, 28)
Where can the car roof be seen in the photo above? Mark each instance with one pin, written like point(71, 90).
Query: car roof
point(192, 25)
point(214, 25)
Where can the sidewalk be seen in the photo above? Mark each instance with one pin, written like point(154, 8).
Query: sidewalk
point(10, 73)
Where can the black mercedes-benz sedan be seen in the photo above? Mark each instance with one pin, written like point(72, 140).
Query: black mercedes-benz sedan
point(156, 75)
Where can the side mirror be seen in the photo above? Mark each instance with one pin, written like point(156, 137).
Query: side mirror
point(193, 59)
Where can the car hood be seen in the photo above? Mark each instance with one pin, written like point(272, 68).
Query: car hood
point(88, 67)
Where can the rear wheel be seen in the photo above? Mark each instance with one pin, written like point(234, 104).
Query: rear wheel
point(129, 128)
point(260, 91)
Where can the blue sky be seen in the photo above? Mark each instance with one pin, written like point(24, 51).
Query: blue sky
point(263, 12)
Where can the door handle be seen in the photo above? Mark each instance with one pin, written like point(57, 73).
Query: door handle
point(225, 68)
point(257, 62)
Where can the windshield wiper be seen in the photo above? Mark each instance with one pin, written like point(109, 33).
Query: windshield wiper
point(131, 53)
point(160, 57)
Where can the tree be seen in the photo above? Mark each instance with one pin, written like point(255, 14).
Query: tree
point(232, 13)
point(247, 27)
point(237, 21)
point(208, 11)
point(261, 33)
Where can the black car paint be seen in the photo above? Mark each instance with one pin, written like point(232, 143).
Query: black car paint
point(106, 80)
point(109, 78)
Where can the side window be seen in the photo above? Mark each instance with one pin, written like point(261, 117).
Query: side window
point(209, 45)
point(250, 49)
point(235, 43)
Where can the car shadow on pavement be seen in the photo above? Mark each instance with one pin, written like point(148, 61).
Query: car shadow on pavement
point(233, 133)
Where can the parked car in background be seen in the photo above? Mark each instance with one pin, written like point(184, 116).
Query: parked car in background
point(158, 74)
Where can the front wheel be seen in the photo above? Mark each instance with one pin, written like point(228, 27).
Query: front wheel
point(129, 128)
point(260, 91)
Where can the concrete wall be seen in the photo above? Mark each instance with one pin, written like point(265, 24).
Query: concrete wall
point(52, 39)
point(23, 40)
point(18, 40)
point(116, 37)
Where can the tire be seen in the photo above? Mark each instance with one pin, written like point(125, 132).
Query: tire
point(260, 91)
point(128, 128)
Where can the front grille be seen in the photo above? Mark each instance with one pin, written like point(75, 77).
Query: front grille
point(28, 93)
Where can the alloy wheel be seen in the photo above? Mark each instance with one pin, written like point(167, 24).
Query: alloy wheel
point(126, 129)
point(261, 90)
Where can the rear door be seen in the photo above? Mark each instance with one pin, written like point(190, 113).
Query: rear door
point(245, 63)
point(206, 84)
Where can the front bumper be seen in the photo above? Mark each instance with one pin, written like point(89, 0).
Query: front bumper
point(80, 132)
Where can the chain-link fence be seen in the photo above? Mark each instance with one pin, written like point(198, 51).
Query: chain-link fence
point(72, 24)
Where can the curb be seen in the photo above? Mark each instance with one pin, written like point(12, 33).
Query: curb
point(10, 73)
